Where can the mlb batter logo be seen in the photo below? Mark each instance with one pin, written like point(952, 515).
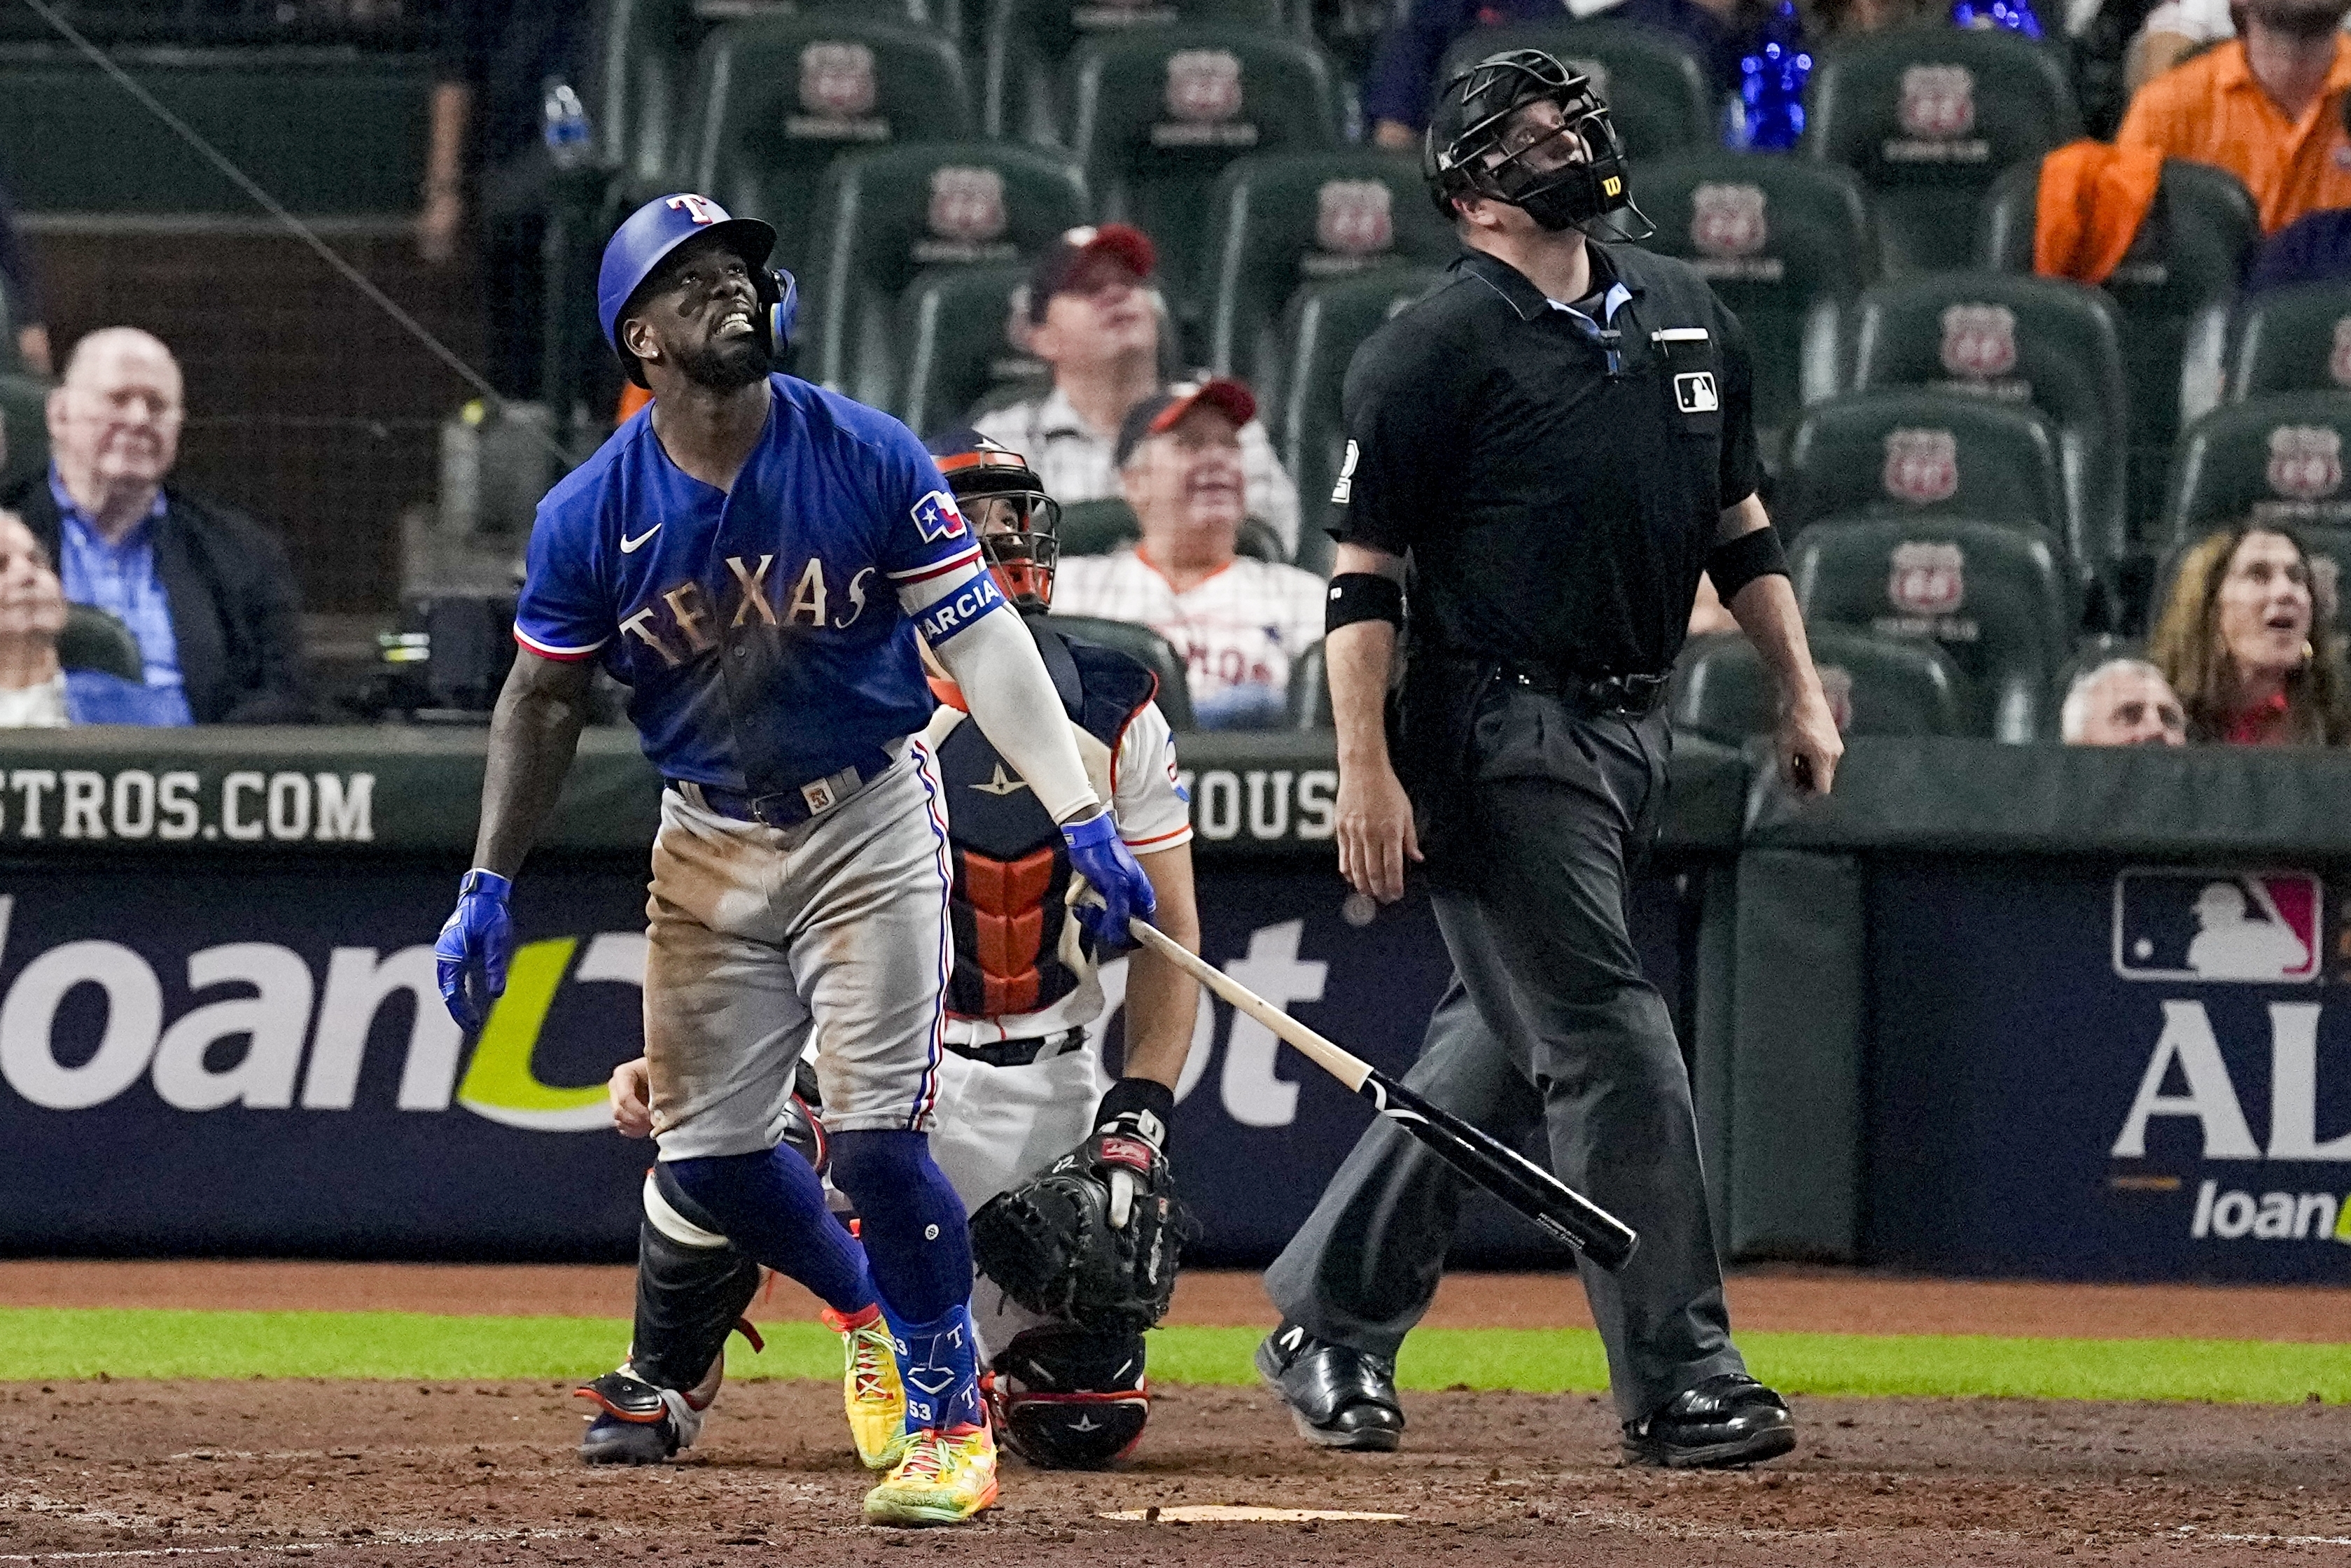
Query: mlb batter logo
point(837, 80)
point(1728, 220)
point(1922, 466)
point(1978, 341)
point(1938, 101)
point(1926, 579)
point(2339, 361)
point(1354, 217)
point(2306, 462)
point(2240, 927)
point(967, 204)
point(1203, 86)
point(937, 516)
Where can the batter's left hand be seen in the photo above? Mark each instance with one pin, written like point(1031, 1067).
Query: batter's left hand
point(1809, 745)
point(1102, 857)
point(473, 948)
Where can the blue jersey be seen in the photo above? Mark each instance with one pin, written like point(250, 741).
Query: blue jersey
point(760, 631)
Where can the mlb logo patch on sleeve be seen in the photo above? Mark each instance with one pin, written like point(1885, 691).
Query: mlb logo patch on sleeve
point(937, 516)
point(2244, 927)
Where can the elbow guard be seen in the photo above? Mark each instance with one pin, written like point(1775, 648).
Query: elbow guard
point(1362, 596)
point(1735, 563)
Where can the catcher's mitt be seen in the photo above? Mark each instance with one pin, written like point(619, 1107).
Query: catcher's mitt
point(1095, 1240)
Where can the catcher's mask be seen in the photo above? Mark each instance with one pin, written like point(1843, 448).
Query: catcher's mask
point(1480, 142)
point(1018, 525)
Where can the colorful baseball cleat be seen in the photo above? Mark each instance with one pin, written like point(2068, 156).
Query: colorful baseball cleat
point(945, 1478)
point(870, 1389)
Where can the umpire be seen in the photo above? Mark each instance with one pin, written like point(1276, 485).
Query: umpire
point(1560, 441)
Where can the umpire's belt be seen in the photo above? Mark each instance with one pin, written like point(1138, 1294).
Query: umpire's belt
point(787, 808)
point(1020, 1053)
point(1588, 696)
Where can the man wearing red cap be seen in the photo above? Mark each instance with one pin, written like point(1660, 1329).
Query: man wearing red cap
point(1237, 622)
point(1093, 318)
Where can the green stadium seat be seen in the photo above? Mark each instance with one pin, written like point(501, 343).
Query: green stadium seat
point(1783, 243)
point(1876, 686)
point(1995, 600)
point(1656, 87)
point(1174, 693)
point(93, 639)
point(776, 98)
point(1284, 221)
point(1321, 330)
point(1929, 117)
point(1310, 691)
point(2277, 458)
point(885, 218)
point(1922, 454)
point(2037, 341)
point(957, 327)
point(2291, 340)
point(1159, 113)
point(1098, 528)
point(2189, 256)
point(1029, 43)
point(25, 429)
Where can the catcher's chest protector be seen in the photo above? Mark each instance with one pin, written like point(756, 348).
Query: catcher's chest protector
point(1016, 948)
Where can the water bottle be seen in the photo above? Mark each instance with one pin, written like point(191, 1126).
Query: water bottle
point(566, 126)
point(1769, 115)
point(2016, 15)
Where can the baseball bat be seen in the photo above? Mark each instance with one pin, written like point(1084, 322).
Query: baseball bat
point(1485, 1160)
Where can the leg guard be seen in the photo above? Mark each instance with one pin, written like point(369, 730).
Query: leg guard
point(1065, 1399)
point(691, 1289)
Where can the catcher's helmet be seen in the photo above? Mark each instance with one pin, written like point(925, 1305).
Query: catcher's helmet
point(641, 243)
point(1020, 532)
point(1476, 145)
point(1069, 1398)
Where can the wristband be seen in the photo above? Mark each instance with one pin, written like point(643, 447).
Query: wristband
point(1130, 1096)
point(485, 884)
point(1362, 596)
point(1735, 563)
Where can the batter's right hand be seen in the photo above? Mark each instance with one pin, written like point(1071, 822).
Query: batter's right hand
point(1377, 836)
point(473, 948)
point(631, 1093)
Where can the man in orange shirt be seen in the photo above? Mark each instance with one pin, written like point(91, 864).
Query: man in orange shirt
point(2266, 106)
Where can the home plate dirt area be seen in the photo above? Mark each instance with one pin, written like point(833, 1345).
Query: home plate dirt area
point(363, 1473)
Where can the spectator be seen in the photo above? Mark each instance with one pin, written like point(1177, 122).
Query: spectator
point(1093, 319)
point(2267, 106)
point(2123, 702)
point(2314, 248)
point(204, 590)
point(1237, 622)
point(36, 691)
point(2236, 643)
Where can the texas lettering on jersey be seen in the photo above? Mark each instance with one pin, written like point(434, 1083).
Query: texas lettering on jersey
point(679, 622)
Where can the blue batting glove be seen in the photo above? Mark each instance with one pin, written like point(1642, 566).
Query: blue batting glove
point(1102, 857)
point(473, 948)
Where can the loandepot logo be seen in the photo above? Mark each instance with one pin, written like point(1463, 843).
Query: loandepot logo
point(2272, 1216)
point(287, 1040)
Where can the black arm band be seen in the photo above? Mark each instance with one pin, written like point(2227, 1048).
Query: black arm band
point(1735, 563)
point(1362, 596)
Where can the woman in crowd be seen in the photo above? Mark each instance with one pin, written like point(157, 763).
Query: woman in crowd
point(2245, 639)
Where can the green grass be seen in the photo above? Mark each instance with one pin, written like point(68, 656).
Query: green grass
point(47, 1343)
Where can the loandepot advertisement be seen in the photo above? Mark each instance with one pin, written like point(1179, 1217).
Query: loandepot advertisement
point(2141, 1072)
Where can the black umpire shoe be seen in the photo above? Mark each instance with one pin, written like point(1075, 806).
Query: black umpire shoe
point(1341, 1399)
point(1729, 1419)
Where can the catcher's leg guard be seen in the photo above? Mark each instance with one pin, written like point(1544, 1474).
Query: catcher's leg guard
point(1070, 1399)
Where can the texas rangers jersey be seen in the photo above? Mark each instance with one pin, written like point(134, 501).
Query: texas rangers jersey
point(763, 632)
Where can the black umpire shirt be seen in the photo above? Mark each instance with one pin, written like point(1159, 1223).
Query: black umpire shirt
point(1558, 490)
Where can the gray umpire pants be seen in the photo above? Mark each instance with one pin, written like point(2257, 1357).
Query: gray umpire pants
point(1547, 1023)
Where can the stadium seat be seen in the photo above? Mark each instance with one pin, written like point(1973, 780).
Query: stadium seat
point(776, 98)
point(1031, 41)
point(1098, 528)
point(1909, 453)
point(2034, 340)
point(1286, 220)
point(1783, 243)
point(1175, 695)
point(1321, 330)
point(2188, 255)
point(93, 639)
point(2277, 458)
point(1928, 117)
point(885, 217)
point(24, 429)
point(1159, 113)
point(1655, 86)
point(1995, 600)
point(1876, 686)
point(2292, 340)
point(955, 326)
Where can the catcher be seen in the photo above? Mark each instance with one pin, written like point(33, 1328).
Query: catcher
point(1076, 1250)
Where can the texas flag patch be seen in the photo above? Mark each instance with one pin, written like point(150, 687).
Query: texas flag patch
point(936, 516)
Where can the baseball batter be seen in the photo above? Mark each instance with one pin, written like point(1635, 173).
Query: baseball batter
point(752, 556)
point(1021, 1095)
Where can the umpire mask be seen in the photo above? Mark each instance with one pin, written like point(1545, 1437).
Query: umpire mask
point(1562, 172)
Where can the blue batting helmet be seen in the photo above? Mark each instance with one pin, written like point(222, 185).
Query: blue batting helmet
point(659, 227)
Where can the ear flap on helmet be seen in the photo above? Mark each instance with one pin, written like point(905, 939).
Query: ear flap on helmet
point(780, 292)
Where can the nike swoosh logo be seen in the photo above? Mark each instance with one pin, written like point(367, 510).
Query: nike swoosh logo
point(1002, 785)
point(629, 546)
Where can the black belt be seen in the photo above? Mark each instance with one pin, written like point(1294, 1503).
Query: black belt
point(787, 808)
point(1020, 1053)
point(1633, 696)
